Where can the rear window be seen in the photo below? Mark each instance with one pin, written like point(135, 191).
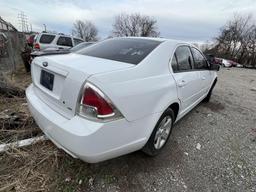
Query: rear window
point(124, 50)
point(46, 38)
point(77, 41)
point(64, 41)
point(80, 46)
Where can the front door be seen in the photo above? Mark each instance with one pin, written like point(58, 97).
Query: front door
point(201, 65)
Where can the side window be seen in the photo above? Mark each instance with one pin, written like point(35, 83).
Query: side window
point(184, 58)
point(64, 41)
point(199, 60)
point(174, 64)
point(46, 38)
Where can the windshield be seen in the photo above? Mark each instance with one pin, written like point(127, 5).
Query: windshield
point(125, 50)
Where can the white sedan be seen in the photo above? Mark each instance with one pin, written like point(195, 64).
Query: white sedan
point(118, 96)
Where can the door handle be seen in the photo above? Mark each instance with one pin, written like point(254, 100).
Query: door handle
point(182, 83)
point(203, 77)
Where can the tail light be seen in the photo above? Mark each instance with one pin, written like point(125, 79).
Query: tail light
point(94, 104)
point(37, 46)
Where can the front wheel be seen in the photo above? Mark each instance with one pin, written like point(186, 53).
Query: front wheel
point(160, 134)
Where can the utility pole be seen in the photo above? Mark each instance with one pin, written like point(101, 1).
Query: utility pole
point(44, 27)
point(23, 21)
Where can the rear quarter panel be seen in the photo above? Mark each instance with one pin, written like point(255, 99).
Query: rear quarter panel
point(145, 89)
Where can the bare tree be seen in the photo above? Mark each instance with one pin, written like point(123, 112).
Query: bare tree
point(135, 25)
point(86, 30)
point(237, 40)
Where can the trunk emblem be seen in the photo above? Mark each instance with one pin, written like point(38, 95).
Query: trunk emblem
point(45, 64)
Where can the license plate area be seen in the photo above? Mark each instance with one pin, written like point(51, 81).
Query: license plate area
point(47, 79)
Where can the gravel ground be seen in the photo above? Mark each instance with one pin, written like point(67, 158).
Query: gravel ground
point(213, 148)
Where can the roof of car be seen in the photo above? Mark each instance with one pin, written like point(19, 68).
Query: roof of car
point(156, 39)
point(59, 34)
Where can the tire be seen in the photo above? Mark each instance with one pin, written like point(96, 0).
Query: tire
point(154, 144)
point(208, 96)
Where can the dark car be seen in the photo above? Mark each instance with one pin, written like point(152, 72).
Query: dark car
point(213, 60)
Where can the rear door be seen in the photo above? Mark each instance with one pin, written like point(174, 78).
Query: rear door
point(187, 80)
point(201, 65)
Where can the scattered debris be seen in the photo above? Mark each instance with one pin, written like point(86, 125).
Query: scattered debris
point(8, 89)
point(17, 124)
point(90, 181)
point(68, 179)
point(8, 187)
point(16, 121)
point(22, 143)
point(198, 146)
point(24, 104)
point(12, 119)
point(186, 153)
point(239, 166)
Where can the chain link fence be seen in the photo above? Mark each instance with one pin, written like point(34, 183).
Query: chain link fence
point(12, 43)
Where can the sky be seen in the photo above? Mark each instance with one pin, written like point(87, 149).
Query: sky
point(189, 20)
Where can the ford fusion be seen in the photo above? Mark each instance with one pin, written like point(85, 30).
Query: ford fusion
point(118, 96)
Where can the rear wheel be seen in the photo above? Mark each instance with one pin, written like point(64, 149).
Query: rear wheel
point(160, 134)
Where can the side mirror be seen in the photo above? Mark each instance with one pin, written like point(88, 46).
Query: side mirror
point(214, 67)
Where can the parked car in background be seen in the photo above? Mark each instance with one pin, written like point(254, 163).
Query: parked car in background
point(218, 60)
point(31, 39)
point(26, 51)
point(81, 46)
point(58, 41)
point(118, 96)
point(226, 63)
point(235, 64)
point(212, 59)
point(239, 65)
point(56, 51)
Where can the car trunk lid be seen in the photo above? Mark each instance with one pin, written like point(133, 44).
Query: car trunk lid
point(58, 79)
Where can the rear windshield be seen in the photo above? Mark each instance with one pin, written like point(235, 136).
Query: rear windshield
point(46, 38)
point(125, 50)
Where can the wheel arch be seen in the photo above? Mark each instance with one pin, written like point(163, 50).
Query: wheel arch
point(175, 107)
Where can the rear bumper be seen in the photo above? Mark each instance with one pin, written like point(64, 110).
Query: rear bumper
point(88, 140)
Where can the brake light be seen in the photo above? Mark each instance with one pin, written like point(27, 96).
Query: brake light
point(94, 104)
point(93, 99)
point(37, 46)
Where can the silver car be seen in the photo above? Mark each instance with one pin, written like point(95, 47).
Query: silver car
point(55, 41)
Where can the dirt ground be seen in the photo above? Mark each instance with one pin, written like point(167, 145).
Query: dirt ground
point(213, 148)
